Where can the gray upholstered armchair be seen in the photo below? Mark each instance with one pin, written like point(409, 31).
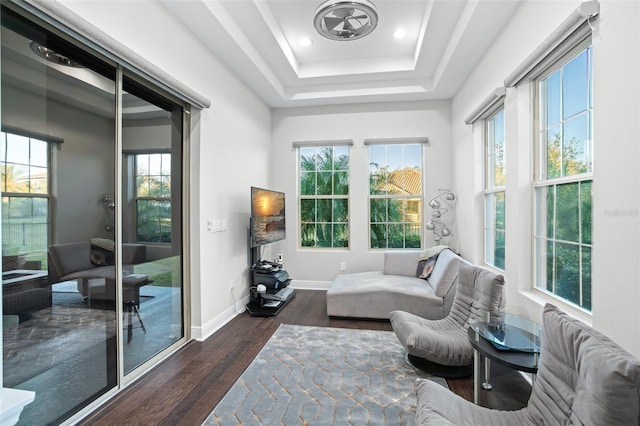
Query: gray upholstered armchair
point(584, 379)
point(442, 347)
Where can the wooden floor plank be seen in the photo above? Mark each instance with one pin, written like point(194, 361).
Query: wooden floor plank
point(186, 387)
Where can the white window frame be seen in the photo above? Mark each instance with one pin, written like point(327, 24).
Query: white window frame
point(48, 195)
point(137, 198)
point(328, 197)
point(421, 142)
point(541, 181)
point(491, 190)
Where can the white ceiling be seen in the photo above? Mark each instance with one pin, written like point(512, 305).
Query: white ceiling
point(259, 41)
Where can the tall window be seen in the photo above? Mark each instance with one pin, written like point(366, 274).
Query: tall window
point(153, 197)
point(324, 196)
point(25, 198)
point(564, 179)
point(395, 196)
point(494, 192)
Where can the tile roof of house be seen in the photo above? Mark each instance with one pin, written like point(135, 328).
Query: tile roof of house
point(406, 181)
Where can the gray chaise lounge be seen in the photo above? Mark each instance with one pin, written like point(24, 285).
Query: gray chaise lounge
point(376, 294)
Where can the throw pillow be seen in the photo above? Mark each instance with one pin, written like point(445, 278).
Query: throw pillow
point(432, 251)
point(425, 267)
point(105, 243)
point(101, 256)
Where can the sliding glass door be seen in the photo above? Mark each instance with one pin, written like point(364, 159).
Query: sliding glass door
point(92, 244)
point(58, 145)
point(152, 217)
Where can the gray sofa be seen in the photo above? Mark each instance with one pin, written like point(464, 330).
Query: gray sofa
point(73, 261)
point(376, 294)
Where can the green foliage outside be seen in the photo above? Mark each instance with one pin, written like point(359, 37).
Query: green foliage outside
point(165, 272)
point(564, 229)
point(25, 205)
point(153, 192)
point(324, 206)
point(568, 222)
point(395, 213)
point(391, 224)
point(496, 234)
point(324, 189)
point(568, 236)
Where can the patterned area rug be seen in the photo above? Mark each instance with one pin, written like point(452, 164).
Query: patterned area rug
point(324, 376)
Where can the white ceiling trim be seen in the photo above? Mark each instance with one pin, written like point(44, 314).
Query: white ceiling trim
point(341, 67)
point(389, 90)
point(221, 14)
point(258, 40)
point(423, 30)
point(276, 30)
point(356, 67)
point(454, 42)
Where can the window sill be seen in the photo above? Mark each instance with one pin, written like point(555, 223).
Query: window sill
point(541, 299)
point(493, 268)
point(324, 249)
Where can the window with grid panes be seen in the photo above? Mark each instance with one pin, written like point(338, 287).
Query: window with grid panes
point(153, 197)
point(25, 196)
point(563, 201)
point(395, 196)
point(324, 196)
point(494, 192)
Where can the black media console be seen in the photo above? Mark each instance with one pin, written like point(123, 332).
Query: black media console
point(276, 292)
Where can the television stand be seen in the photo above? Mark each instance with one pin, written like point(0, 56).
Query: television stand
point(269, 306)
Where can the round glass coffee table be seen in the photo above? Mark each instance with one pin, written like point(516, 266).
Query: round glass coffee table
point(508, 339)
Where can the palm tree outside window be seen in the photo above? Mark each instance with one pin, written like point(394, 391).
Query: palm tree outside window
point(395, 196)
point(324, 196)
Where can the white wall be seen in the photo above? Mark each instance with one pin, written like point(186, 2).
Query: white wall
point(154, 136)
point(232, 151)
point(316, 267)
point(616, 75)
point(229, 151)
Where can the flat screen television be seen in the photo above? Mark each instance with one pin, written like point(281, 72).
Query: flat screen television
point(267, 223)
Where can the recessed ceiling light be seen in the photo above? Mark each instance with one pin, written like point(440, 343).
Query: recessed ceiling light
point(399, 33)
point(305, 41)
point(345, 19)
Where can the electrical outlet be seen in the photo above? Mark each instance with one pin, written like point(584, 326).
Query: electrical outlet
point(343, 266)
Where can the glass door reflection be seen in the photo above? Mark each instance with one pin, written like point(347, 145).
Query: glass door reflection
point(152, 218)
point(58, 271)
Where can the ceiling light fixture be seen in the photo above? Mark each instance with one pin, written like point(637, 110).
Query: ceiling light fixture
point(345, 20)
point(52, 56)
point(399, 33)
point(305, 41)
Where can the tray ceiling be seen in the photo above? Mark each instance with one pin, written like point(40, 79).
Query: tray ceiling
point(262, 42)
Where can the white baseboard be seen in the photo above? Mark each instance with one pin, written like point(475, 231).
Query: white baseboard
point(310, 285)
point(202, 333)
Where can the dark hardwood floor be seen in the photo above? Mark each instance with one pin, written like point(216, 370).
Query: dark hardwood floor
point(186, 387)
